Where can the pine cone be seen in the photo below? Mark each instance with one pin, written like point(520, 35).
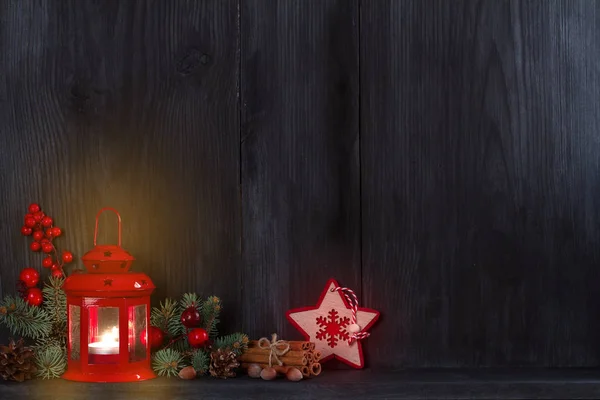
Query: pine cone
point(16, 362)
point(223, 363)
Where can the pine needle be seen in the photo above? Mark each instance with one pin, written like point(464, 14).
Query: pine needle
point(166, 317)
point(211, 309)
point(236, 342)
point(200, 361)
point(55, 300)
point(167, 362)
point(190, 300)
point(23, 319)
point(51, 361)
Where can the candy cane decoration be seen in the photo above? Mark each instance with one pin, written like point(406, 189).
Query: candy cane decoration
point(354, 328)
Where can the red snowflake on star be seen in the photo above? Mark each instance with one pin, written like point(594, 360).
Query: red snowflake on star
point(327, 323)
point(332, 328)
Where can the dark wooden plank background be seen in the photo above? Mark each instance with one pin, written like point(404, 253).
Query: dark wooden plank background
point(479, 132)
point(300, 160)
point(439, 157)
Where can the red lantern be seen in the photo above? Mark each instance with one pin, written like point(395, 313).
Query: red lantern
point(108, 314)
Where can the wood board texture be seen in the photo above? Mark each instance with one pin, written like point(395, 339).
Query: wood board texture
point(300, 160)
point(440, 158)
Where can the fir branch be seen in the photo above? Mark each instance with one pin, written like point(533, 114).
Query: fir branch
point(201, 361)
point(236, 342)
point(191, 300)
point(167, 317)
point(55, 301)
point(23, 319)
point(211, 309)
point(51, 361)
point(167, 362)
point(55, 304)
point(178, 343)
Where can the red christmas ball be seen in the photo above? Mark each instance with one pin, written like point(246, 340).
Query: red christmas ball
point(157, 337)
point(47, 222)
point(33, 208)
point(190, 318)
point(29, 222)
point(56, 231)
point(47, 262)
point(197, 337)
point(57, 271)
point(38, 216)
point(26, 231)
point(67, 256)
point(34, 296)
point(38, 236)
point(29, 276)
point(35, 246)
point(47, 247)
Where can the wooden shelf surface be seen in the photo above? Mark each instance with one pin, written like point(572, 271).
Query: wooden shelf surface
point(429, 384)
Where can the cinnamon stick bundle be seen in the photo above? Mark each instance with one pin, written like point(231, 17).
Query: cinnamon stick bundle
point(291, 353)
point(315, 369)
point(264, 358)
point(294, 345)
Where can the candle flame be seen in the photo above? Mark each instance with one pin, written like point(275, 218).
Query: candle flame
point(110, 336)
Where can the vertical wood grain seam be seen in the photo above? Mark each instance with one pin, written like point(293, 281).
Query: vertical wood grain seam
point(240, 166)
point(360, 188)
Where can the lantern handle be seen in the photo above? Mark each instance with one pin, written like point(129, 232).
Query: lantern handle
point(98, 216)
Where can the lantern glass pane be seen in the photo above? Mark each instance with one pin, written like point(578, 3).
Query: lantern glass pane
point(103, 337)
point(137, 333)
point(74, 335)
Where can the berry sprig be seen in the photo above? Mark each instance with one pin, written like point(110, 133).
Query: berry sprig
point(41, 228)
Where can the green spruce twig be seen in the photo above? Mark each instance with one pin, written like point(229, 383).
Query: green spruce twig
point(200, 361)
point(211, 308)
point(166, 317)
point(167, 362)
point(236, 342)
point(23, 319)
point(51, 361)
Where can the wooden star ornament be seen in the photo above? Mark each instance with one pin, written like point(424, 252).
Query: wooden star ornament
point(336, 324)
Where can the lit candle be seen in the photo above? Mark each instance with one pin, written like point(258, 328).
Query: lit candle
point(108, 344)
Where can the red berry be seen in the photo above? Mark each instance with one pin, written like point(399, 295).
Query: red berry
point(67, 256)
point(34, 207)
point(56, 231)
point(47, 222)
point(47, 262)
point(29, 276)
point(49, 233)
point(47, 247)
point(157, 337)
point(197, 337)
point(29, 222)
point(34, 296)
point(38, 216)
point(38, 236)
point(35, 246)
point(57, 271)
point(26, 231)
point(190, 317)
point(44, 240)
